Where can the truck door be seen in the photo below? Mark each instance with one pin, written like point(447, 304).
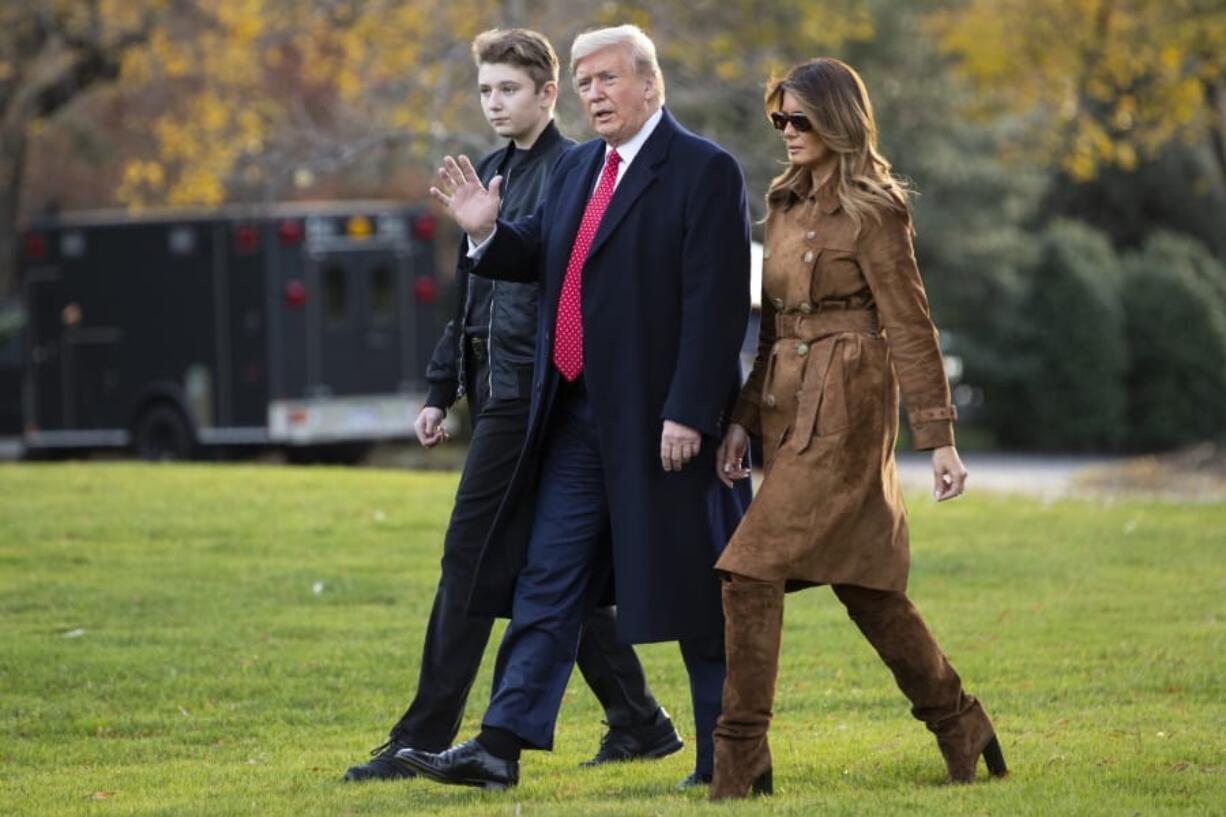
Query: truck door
point(358, 322)
point(46, 352)
point(12, 365)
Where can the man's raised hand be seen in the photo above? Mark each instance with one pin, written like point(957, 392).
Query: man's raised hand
point(473, 206)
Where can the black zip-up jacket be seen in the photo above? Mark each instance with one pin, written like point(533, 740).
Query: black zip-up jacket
point(502, 312)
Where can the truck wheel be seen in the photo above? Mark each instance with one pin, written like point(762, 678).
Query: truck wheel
point(301, 455)
point(329, 453)
point(48, 454)
point(346, 453)
point(162, 433)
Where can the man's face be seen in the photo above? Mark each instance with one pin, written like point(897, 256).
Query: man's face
point(510, 101)
point(616, 99)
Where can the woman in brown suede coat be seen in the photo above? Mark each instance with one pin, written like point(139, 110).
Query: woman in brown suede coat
point(845, 326)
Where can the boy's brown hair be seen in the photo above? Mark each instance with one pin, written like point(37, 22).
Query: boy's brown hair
point(521, 47)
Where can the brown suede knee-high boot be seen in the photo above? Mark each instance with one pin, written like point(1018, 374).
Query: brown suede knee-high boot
point(753, 615)
point(897, 632)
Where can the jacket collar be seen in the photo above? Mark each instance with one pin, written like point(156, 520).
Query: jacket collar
point(548, 138)
point(826, 198)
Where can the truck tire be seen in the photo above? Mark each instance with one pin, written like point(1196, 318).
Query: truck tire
point(346, 453)
point(163, 433)
point(329, 453)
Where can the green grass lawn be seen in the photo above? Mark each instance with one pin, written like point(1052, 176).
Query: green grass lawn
point(227, 640)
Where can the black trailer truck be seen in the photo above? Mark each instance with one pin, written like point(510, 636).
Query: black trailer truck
point(303, 326)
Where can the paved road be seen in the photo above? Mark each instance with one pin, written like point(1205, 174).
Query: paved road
point(1040, 475)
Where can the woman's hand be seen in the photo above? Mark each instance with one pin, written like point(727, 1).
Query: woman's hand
point(730, 456)
point(948, 473)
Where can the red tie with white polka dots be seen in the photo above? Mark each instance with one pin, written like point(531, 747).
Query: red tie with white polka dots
point(568, 330)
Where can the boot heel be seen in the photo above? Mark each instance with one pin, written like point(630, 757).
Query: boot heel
point(995, 758)
point(763, 784)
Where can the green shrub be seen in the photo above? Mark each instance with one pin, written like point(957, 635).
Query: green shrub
point(1062, 355)
point(1175, 307)
point(1167, 249)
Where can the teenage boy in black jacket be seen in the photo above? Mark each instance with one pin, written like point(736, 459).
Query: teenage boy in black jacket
point(486, 353)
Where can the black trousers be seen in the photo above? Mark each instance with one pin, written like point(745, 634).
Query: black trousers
point(455, 642)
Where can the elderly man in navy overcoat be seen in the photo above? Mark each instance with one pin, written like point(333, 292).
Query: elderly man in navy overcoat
point(641, 246)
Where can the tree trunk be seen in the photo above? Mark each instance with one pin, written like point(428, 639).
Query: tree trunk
point(58, 70)
point(12, 163)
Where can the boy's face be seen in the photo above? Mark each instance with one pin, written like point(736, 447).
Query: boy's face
point(510, 101)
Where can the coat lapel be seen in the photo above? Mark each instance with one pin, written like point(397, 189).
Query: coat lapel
point(638, 178)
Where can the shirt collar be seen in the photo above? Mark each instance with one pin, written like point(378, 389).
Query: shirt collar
point(827, 198)
point(631, 147)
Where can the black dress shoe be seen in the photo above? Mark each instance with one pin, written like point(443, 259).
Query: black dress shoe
point(656, 739)
point(694, 779)
point(468, 764)
point(382, 765)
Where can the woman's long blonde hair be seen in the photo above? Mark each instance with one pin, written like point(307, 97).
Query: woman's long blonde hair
point(833, 96)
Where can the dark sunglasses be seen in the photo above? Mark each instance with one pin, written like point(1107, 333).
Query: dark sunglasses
point(799, 121)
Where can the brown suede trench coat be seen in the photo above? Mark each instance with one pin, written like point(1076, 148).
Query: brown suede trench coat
point(845, 324)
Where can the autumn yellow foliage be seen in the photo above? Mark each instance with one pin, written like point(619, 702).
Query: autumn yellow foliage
point(1100, 82)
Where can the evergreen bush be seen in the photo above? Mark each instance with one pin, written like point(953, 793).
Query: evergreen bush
point(1175, 305)
point(1063, 355)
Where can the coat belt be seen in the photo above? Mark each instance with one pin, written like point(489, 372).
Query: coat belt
point(821, 334)
point(818, 324)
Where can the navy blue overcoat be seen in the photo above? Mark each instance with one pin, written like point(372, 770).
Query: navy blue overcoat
point(665, 300)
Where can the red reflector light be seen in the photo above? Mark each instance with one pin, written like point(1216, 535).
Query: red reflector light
point(424, 227)
point(295, 294)
point(246, 238)
point(425, 290)
point(290, 231)
point(35, 246)
point(298, 417)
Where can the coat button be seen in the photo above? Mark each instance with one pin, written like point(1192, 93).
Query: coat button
point(809, 257)
point(778, 302)
point(806, 308)
point(802, 349)
point(812, 234)
point(770, 401)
